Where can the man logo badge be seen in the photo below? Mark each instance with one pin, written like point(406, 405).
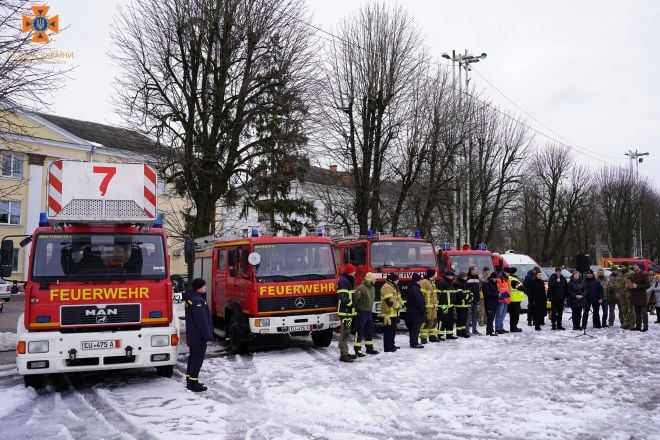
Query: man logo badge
point(299, 303)
point(101, 319)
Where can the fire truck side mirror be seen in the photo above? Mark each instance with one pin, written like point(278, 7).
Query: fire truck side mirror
point(7, 258)
point(189, 250)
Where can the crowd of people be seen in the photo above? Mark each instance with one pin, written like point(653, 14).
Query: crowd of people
point(448, 306)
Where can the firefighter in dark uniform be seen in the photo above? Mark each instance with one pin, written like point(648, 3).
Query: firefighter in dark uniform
point(463, 305)
point(346, 310)
point(446, 298)
point(199, 331)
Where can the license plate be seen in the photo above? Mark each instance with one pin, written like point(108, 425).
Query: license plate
point(100, 345)
point(296, 328)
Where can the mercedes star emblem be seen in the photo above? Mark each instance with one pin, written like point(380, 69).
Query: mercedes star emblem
point(299, 303)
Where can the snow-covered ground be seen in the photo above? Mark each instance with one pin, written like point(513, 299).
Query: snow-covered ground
point(531, 385)
point(7, 341)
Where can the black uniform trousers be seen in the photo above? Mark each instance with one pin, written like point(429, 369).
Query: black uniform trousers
point(389, 332)
point(195, 360)
point(413, 332)
point(446, 322)
point(580, 312)
point(557, 312)
point(461, 320)
point(490, 319)
point(514, 315)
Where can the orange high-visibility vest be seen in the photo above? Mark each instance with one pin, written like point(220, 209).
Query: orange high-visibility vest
point(503, 286)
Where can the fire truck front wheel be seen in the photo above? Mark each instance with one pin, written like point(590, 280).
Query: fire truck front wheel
point(165, 370)
point(238, 345)
point(322, 338)
point(35, 381)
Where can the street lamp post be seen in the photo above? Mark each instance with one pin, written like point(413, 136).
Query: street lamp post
point(464, 61)
point(636, 157)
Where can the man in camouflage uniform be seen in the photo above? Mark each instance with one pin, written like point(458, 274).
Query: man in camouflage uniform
point(626, 299)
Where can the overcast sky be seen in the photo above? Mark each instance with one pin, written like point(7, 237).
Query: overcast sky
point(588, 71)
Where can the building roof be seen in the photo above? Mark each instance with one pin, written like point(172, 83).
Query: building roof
point(105, 135)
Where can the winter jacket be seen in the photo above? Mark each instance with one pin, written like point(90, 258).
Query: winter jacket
point(557, 287)
point(390, 300)
point(603, 282)
point(474, 284)
point(517, 294)
point(346, 294)
point(536, 292)
point(638, 294)
point(365, 294)
point(593, 289)
point(428, 290)
point(575, 288)
point(655, 289)
point(463, 294)
point(446, 293)
point(503, 288)
point(415, 307)
point(491, 294)
point(199, 327)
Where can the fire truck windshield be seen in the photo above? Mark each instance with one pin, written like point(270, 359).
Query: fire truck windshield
point(401, 254)
point(295, 262)
point(98, 256)
point(462, 263)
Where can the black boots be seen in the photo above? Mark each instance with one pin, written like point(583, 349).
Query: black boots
point(345, 358)
point(371, 350)
point(195, 386)
point(657, 315)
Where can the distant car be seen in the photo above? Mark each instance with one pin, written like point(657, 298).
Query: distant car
point(5, 290)
point(548, 271)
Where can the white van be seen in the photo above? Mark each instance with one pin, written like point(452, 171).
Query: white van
point(523, 263)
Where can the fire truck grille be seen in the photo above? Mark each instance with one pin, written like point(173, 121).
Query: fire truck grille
point(91, 210)
point(297, 303)
point(93, 315)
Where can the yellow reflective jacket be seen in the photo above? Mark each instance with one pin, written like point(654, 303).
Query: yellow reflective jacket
point(428, 290)
point(517, 295)
point(390, 291)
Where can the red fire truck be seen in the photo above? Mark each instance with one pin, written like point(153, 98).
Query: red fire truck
point(261, 285)
point(385, 254)
point(460, 260)
point(98, 294)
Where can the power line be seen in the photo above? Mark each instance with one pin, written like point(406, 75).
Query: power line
point(571, 145)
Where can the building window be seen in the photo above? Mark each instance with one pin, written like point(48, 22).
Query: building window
point(10, 212)
point(12, 165)
point(160, 186)
point(14, 264)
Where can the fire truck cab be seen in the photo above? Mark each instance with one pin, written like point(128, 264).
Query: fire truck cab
point(460, 260)
point(98, 294)
point(261, 285)
point(382, 255)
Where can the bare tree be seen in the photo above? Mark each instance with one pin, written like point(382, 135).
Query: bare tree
point(620, 196)
point(370, 72)
point(28, 77)
point(205, 82)
point(554, 189)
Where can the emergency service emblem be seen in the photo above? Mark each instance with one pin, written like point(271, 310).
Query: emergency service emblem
point(299, 302)
point(40, 23)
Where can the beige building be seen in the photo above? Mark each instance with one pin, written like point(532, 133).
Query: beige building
point(30, 142)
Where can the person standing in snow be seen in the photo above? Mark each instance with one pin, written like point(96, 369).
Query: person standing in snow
point(604, 304)
point(491, 302)
point(199, 331)
point(429, 331)
point(485, 273)
point(346, 310)
point(557, 291)
point(463, 303)
point(415, 311)
point(474, 284)
point(640, 283)
point(578, 301)
point(365, 294)
point(390, 304)
point(537, 297)
point(446, 292)
point(594, 290)
point(517, 297)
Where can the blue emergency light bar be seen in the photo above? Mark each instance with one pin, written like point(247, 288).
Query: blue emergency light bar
point(320, 232)
point(255, 232)
point(446, 246)
point(482, 247)
point(43, 219)
point(370, 233)
point(159, 221)
point(418, 233)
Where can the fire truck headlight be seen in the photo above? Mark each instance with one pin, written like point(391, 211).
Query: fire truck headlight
point(333, 317)
point(160, 340)
point(262, 322)
point(38, 347)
